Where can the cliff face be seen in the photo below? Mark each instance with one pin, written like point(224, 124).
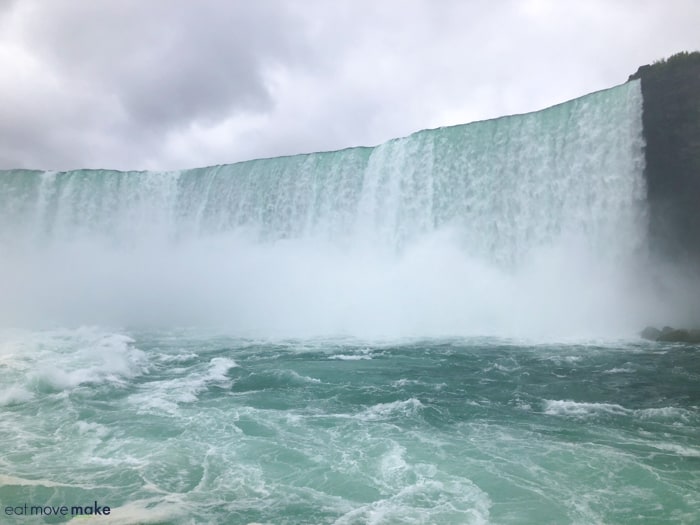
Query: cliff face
point(671, 117)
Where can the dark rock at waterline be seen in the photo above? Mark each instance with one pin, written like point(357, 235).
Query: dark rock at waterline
point(650, 333)
point(671, 335)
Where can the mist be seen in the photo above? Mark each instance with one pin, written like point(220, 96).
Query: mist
point(526, 226)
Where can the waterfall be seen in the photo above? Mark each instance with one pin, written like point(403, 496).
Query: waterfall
point(524, 222)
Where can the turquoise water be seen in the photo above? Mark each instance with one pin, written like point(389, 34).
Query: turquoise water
point(187, 427)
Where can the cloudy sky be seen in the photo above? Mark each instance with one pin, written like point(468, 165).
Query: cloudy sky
point(165, 84)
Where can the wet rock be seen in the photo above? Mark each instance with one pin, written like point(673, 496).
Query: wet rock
point(651, 333)
point(671, 335)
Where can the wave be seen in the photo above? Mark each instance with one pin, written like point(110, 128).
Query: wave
point(582, 409)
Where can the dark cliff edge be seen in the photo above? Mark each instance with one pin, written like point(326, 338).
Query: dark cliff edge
point(671, 118)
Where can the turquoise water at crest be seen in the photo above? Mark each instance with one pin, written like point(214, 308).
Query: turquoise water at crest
point(188, 427)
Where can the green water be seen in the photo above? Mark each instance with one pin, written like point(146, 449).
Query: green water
point(193, 427)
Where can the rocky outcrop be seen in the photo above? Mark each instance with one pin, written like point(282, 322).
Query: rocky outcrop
point(671, 118)
point(650, 333)
point(671, 335)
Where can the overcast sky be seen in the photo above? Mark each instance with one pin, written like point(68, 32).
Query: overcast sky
point(166, 84)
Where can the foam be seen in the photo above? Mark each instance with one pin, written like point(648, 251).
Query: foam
point(44, 362)
point(677, 449)
point(24, 482)
point(427, 501)
point(14, 395)
point(218, 369)
point(295, 377)
point(105, 358)
point(577, 409)
point(177, 358)
point(165, 395)
point(573, 408)
point(665, 413)
point(383, 411)
point(618, 370)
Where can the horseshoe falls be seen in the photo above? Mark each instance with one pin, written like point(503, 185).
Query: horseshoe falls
point(439, 329)
point(525, 225)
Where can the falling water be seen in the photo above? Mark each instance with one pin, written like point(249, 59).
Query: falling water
point(529, 223)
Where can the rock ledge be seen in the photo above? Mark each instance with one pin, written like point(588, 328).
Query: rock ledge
point(671, 335)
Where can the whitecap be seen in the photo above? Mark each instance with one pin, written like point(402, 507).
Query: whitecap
point(380, 411)
point(573, 408)
point(14, 395)
point(664, 413)
point(219, 367)
point(296, 377)
point(623, 370)
point(679, 450)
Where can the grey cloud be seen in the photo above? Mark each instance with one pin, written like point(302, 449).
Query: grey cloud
point(163, 84)
point(166, 62)
point(155, 65)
